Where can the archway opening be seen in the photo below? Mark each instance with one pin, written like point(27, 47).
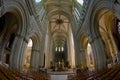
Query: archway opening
point(7, 50)
point(90, 58)
point(28, 55)
point(80, 1)
point(37, 1)
point(109, 31)
point(8, 28)
point(87, 56)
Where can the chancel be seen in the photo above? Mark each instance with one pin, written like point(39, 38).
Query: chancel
point(59, 39)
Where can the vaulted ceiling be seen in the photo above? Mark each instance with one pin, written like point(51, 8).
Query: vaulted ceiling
point(58, 14)
point(59, 28)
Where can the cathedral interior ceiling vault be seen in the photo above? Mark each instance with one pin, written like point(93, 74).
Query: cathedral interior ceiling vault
point(58, 21)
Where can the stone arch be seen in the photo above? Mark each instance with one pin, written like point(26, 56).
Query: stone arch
point(97, 12)
point(9, 28)
point(98, 9)
point(8, 35)
point(35, 53)
point(109, 35)
point(95, 38)
point(64, 13)
point(18, 10)
point(81, 56)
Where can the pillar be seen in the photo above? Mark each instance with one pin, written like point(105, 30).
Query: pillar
point(48, 50)
point(41, 54)
point(98, 53)
point(1, 49)
point(17, 53)
point(34, 59)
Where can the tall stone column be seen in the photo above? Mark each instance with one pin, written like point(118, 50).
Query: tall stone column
point(83, 57)
point(42, 52)
point(22, 55)
point(68, 51)
point(1, 49)
point(47, 51)
point(2, 46)
point(77, 53)
point(71, 48)
point(80, 56)
point(98, 53)
point(17, 53)
point(34, 63)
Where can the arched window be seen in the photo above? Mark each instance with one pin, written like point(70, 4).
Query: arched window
point(62, 49)
point(56, 49)
point(30, 43)
point(37, 1)
point(80, 1)
point(28, 55)
point(90, 59)
point(59, 49)
point(76, 14)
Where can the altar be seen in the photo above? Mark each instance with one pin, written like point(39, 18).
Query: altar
point(60, 75)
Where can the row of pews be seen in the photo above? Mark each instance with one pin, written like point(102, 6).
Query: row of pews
point(40, 76)
point(105, 74)
point(112, 73)
point(7, 74)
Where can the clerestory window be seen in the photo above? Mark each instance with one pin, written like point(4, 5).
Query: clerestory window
point(80, 1)
point(37, 1)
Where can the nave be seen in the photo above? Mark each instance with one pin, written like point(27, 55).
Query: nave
point(59, 35)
